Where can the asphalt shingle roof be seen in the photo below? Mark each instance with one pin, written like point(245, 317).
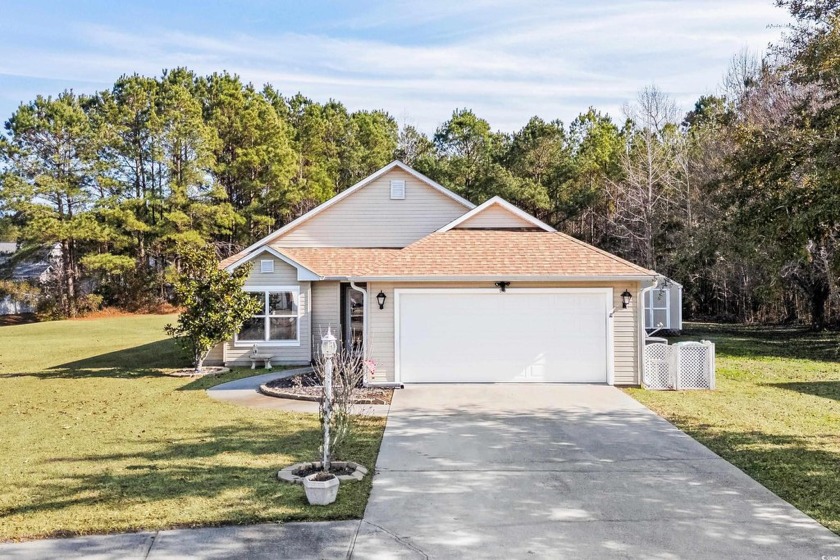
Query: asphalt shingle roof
point(466, 252)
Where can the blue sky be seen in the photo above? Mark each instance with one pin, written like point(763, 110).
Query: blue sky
point(419, 60)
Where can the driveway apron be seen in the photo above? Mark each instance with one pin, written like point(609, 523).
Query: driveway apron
point(564, 471)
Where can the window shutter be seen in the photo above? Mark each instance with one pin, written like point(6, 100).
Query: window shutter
point(266, 266)
point(397, 190)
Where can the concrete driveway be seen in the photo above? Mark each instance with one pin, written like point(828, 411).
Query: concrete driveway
point(564, 471)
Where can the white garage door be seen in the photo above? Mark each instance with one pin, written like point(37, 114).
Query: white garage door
point(484, 336)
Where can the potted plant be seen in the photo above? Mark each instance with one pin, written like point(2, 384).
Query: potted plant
point(321, 488)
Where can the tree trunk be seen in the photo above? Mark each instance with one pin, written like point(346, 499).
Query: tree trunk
point(199, 361)
point(819, 297)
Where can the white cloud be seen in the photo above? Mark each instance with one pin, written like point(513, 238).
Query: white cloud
point(506, 60)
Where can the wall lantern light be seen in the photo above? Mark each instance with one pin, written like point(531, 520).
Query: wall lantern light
point(380, 299)
point(625, 299)
point(329, 344)
point(502, 286)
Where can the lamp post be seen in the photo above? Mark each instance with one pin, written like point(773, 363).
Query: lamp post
point(329, 346)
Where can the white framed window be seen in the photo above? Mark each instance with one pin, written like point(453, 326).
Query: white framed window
point(266, 266)
point(397, 189)
point(278, 323)
point(658, 309)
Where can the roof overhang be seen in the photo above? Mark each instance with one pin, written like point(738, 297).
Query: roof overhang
point(495, 277)
point(303, 274)
point(501, 202)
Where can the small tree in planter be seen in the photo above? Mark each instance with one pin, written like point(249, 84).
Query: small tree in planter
point(341, 373)
point(215, 306)
point(348, 372)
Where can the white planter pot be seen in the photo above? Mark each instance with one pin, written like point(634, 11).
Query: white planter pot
point(320, 493)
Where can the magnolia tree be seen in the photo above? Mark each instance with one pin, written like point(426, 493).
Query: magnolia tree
point(215, 306)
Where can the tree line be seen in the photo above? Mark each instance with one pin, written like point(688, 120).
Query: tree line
point(737, 199)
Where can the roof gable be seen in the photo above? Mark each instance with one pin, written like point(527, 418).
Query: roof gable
point(496, 213)
point(303, 273)
point(332, 202)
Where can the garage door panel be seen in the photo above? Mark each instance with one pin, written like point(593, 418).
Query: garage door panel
point(502, 337)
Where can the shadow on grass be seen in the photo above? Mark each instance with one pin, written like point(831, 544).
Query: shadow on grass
point(139, 361)
point(239, 460)
point(825, 389)
point(749, 341)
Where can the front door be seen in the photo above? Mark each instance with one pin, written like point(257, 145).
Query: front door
point(354, 316)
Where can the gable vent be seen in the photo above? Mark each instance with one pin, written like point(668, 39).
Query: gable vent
point(267, 266)
point(397, 190)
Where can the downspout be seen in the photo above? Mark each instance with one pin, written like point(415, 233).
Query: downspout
point(364, 319)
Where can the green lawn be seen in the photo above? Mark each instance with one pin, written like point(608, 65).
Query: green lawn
point(96, 439)
point(775, 413)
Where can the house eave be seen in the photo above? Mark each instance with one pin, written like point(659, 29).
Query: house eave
point(495, 277)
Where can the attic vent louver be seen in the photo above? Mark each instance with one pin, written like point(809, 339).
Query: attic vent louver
point(266, 266)
point(397, 190)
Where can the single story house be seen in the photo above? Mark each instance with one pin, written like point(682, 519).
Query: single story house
point(663, 307)
point(434, 289)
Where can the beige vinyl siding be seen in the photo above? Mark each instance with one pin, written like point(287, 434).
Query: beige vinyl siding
point(284, 274)
point(625, 324)
point(326, 308)
point(369, 218)
point(676, 307)
point(494, 217)
point(216, 356)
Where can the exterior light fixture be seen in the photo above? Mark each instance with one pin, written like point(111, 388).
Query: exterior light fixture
point(502, 286)
point(380, 299)
point(329, 344)
point(625, 299)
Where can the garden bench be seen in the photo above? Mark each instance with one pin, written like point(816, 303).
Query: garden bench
point(261, 355)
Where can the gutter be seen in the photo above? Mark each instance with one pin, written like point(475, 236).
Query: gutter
point(495, 277)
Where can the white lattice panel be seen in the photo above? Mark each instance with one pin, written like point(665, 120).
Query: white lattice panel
point(658, 366)
point(685, 365)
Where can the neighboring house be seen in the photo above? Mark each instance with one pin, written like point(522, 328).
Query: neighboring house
point(435, 289)
point(663, 307)
point(35, 270)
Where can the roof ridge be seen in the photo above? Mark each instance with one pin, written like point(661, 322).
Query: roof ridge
point(616, 258)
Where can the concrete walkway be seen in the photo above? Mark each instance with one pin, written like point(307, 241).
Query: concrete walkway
point(251, 542)
point(559, 471)
point(245, 392)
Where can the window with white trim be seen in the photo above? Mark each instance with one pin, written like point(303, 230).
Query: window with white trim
point(658, 309)
point(278, 321)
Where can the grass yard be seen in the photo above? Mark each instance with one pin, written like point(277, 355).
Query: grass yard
point(96, 439)
point(775, 414)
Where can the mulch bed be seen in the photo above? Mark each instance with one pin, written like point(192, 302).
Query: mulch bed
point(307, 387)
point(205, 371)
point(337, 471)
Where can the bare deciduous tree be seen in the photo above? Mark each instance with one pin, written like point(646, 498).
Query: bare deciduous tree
point(649, 180)
point(348, 377)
